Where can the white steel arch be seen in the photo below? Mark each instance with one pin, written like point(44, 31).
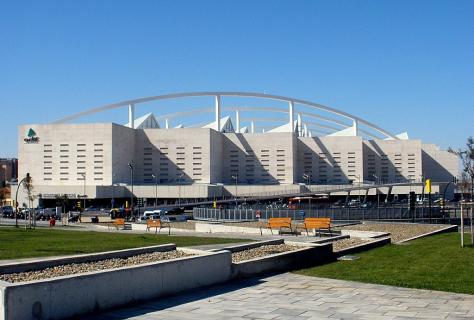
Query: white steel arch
point(218, 95)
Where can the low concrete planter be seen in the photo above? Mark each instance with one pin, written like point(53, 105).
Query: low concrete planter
point(364, 234)
point(68, 296)
point(42, 263)
point(308, 255)
point(451, 228)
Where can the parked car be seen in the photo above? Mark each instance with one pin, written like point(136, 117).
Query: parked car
point(8, 212)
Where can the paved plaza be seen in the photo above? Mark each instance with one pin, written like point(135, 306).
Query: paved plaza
point(291, 296)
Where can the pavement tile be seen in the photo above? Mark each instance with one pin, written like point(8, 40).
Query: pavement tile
point(290, 296)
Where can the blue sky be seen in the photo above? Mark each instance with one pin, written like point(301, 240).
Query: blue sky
point(403, 65)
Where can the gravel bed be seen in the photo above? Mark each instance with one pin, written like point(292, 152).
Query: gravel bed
point(75, 268)
point(347, 243)
point(398, 231)
point(261, 252)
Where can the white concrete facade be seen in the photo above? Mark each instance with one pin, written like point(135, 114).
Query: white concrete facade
point(199, 158)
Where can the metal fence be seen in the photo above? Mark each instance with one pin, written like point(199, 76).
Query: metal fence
point(336, 214)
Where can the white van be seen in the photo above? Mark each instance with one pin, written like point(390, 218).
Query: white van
point(149, 215)
point(145, 216)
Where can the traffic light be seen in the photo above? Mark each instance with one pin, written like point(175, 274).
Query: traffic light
point(412, 200)
point(140, 202)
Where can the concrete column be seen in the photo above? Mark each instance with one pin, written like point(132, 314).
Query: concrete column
point(298, 125)
point(167, 124)
point(218, 113)
point(310, 134)
point(305, 130)
point(131, 115)
point(237, 121)
point(291, 113)
point(252, 127)
point(355, 124)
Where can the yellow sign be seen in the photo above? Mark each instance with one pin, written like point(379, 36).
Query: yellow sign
point(126, 204)
point(214, 204)
point(428, 186)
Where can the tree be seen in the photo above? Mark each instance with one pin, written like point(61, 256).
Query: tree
point(467, 161)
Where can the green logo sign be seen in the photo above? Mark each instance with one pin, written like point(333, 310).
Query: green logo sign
point(31, 137)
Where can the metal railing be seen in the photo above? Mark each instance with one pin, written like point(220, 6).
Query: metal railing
point(336, 214)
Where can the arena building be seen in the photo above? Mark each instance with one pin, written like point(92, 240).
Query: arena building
point(147, 157)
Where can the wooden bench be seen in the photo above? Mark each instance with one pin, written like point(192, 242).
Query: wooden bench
point(317, 224)
point(158, 224)
point(279, 223)
point(118, 223)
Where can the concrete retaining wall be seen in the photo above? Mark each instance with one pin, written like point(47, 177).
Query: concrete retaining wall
point(309, 255)
point(364, 247)
point(72, 295)
point(364, 234)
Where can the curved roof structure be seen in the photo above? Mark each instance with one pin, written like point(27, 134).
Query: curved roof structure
point(342, 119)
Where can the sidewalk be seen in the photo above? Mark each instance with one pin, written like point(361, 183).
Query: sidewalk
point(290, 296)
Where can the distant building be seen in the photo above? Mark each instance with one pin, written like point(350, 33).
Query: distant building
point(8, 170)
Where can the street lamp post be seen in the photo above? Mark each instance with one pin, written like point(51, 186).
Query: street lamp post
point(16, 197)
point(236, 178)
point(307, 178)
point(180, 176)
point(131, 167)
point(358, 184)
point(156, 188)
point(113, 191)
point(377, 191)
point(83, 174)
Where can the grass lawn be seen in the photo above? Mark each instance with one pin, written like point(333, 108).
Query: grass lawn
point(20, 243)
point(437, 262)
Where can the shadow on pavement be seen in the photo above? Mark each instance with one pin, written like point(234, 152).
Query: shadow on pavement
point(158, 304)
